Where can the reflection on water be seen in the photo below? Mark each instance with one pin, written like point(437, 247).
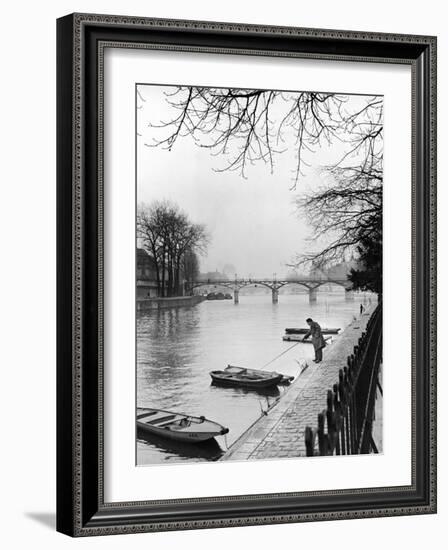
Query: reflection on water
point(177, 348)
point(207, 450)
point(271, 391)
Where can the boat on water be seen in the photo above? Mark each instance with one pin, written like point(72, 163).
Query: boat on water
point(299, 338)
point(217, 296)
point(305, 330)
point(248, 378)
point(178, 426)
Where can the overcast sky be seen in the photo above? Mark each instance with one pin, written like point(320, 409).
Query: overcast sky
point(253, 223)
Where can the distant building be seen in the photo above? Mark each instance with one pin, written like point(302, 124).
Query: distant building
point(211, 276)
point(146, 275)
point(342, 270)
point(338, 271)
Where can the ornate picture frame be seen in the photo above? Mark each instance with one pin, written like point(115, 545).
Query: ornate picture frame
point(81, 506)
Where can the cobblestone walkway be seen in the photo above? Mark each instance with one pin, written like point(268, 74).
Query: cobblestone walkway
point(280, 434)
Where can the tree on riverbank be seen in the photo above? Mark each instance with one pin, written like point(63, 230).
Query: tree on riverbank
point(190, 265)
point(173, 242)
point(348, 213)
point(243, 127)
point(370, 251)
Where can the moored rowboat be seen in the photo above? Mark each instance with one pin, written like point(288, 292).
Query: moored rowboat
point(178, 426)
point(248, 378)
point(299, 338)
point(305, 330)
point(285, 378)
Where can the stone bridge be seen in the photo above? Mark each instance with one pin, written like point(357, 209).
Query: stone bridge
point(274, 284)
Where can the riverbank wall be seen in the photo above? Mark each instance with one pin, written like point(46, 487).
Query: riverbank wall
point(280, 434)
point(149, 304)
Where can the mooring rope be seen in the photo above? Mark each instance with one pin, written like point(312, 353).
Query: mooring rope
point(282, 353)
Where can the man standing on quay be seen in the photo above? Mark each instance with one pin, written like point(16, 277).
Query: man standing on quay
point(316, 337)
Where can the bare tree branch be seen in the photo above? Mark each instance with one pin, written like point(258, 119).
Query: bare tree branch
point(248, 126)
point(168, 236)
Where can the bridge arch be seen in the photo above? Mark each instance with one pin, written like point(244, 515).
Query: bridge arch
point(228, 285)
point(255, 283)
point(297, 283)
point(312, 285)
point(271, 285)
point(343, 284)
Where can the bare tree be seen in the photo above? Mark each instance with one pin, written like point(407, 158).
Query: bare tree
point(252, 125)
point(190, 265)
point(184, 237)
point(149, 230)
point(346, 211)
point(167, 235)
point(249, 126)
point(343, 213)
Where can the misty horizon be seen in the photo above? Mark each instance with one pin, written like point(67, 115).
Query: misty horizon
point(253, 222)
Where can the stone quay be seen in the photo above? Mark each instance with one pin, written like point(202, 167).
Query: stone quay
point(281, 432)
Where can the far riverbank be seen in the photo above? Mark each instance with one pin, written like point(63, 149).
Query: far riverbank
point(148, 304)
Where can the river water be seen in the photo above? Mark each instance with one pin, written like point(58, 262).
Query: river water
point(178, 347)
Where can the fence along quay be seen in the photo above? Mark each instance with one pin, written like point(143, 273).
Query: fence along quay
point(345, 426)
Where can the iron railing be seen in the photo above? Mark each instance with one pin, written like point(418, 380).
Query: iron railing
point(345, 426)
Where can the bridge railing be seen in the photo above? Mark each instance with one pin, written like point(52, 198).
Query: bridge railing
point(249, 280)
point(345, 425)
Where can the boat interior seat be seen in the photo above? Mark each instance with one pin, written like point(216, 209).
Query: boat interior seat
point(161, 419)
point(146, 414)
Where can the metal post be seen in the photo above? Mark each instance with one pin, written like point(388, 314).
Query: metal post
point(309, 441)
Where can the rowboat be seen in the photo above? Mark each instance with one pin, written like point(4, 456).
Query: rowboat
point(178, 426)
point(248, 378)
point(299, 338)
point(305, 330)
point(285, 378)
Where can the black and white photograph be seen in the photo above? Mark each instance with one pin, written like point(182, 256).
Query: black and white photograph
point(222, 289)
point(258, 291)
